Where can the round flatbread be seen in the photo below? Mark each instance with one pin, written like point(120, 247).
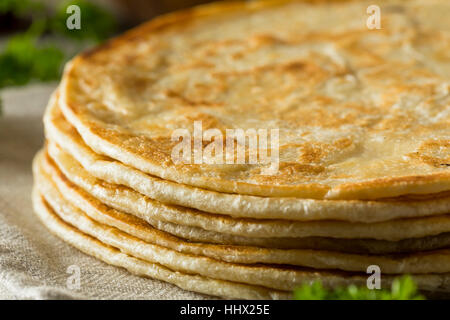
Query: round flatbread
point(68, 207)
point(114, 256)
point(130, 201)
point(60, 131)
point(361, 113)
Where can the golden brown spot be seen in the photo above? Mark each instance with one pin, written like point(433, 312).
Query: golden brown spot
point(293, 168)
point(436, 153)
point(188, 102)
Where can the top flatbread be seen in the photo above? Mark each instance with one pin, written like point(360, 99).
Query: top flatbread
point(362, 114)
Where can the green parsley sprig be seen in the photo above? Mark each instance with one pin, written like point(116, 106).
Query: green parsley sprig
point(402, 288)
point(24, 57)
point(23, 60)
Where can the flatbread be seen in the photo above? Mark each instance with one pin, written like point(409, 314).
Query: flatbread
point(363, 246)
point(361, 113)
point(130, 201)
point(85, 214)
point(430, 282)
point(239, 254)
point(110, 255)
point(60, 131)
point(113, 256)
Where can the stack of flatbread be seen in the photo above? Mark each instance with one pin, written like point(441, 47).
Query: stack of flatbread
point(363, 169)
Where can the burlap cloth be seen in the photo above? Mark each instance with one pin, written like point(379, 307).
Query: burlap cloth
point(33, 263)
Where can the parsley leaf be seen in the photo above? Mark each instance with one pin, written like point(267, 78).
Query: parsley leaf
point(402, 288)
point(22, 60)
